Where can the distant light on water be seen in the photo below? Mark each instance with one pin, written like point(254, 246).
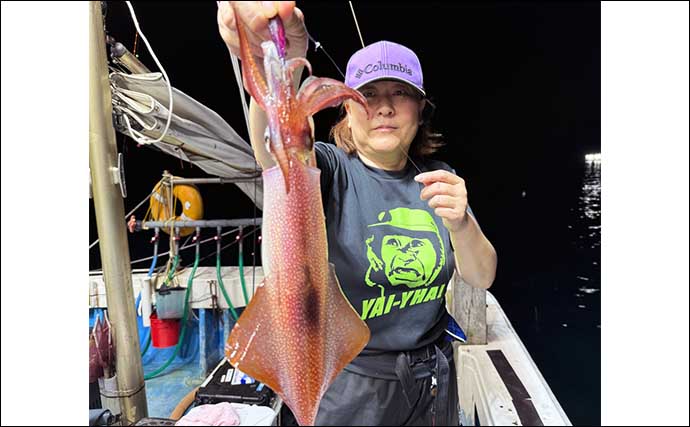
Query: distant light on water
point(591, 189)
point(593, 158)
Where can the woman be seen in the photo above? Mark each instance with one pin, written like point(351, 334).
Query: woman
point(397, 228)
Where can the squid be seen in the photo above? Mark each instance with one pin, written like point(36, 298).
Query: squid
point(299, 331)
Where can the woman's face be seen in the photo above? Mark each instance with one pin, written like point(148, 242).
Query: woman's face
point(396, 109)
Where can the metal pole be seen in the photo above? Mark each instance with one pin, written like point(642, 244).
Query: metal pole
point(123, 56)
point(177, 181)
point(112, 229)
point(209, 223)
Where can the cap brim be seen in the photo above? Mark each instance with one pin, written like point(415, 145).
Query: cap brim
point(375, 79)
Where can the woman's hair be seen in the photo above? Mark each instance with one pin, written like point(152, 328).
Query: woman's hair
point(425, 143)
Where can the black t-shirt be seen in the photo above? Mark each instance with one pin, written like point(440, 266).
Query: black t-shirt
point(392, 254)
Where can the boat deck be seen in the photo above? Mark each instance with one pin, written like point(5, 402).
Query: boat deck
point(499, 383)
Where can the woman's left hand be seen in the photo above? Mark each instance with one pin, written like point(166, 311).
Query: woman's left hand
point(447, 195)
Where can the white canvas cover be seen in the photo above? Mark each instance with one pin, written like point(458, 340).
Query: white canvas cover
point(196, 134)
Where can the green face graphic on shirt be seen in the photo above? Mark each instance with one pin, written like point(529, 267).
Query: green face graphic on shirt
point(407, 260)
point(404, 248)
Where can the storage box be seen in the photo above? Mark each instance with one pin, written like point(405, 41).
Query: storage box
point(170, 303)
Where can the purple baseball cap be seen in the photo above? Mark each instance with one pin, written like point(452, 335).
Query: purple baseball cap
point(384, 60)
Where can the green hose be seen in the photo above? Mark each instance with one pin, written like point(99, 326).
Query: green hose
point(222, 288)
point(244, 285)
point(147, 345)
point(171, 273)
point(177, 350)
point(184, 317)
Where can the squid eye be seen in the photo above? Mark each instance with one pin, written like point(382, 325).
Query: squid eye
point(267, 136)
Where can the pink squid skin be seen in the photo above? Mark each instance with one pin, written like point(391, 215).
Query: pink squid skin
point(298, 331)
point(288, 110)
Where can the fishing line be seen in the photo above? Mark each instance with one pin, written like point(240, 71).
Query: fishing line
point(354, 16)
point(410, 159)
point(318, 45)
point(356, 24)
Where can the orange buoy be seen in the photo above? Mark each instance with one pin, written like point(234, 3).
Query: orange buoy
point(188, 196)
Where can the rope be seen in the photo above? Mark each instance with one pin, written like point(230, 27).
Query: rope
point(143, 139)
point(128, 214)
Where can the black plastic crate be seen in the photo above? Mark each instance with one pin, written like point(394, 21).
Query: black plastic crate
point(220, 389)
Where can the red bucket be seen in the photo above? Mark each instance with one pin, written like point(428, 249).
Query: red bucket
point(164, 332)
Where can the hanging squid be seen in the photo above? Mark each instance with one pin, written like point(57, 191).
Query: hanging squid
point(299, 331)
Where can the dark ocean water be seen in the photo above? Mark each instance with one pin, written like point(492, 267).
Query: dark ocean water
point(549, 285)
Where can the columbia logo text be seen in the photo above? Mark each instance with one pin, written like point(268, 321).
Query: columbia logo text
point(372, 68)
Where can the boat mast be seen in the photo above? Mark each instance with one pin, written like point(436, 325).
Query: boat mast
point(110, 213)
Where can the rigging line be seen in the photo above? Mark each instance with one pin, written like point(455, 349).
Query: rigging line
point(171, 218)
point(166, 253)
point(238, 79)
point(253, 247)
point(226, 246)
point(356, 23)
point(182, 269)
point(256, 183)
point(128, 214)
point(158, 270)
point(255, 228)
point(147, 140)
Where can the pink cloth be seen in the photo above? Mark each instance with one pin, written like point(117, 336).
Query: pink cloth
point(220, 414)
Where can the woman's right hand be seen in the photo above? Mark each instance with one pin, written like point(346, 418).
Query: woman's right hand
point(255, 16)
